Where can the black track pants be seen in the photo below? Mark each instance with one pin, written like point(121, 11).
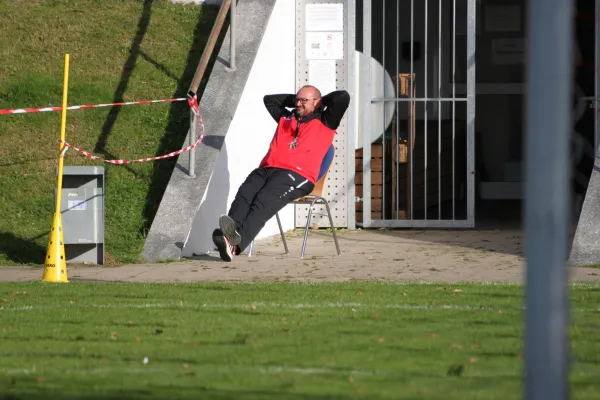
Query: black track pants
point(261, 196)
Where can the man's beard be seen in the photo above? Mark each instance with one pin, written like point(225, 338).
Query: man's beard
point(301, 113)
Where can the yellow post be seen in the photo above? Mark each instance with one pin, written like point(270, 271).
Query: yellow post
point(55, 266)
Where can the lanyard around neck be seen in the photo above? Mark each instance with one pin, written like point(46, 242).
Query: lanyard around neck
point(295, 141)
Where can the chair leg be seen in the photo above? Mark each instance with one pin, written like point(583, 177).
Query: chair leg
point(337, 246)
point(310, 209)
point(282, 233)
point(250, 249)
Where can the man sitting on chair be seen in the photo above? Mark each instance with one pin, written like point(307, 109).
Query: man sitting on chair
point(290, 168)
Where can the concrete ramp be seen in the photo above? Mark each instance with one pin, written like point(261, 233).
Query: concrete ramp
point(585, 249)
point(183, 195)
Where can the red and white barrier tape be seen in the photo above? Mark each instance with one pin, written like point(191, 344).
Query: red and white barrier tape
point(128, 103)
point(192, 101)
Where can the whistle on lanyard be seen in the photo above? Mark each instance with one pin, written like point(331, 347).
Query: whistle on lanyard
point(294, 142)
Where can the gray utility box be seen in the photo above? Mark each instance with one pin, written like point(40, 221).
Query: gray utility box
point(82, 209)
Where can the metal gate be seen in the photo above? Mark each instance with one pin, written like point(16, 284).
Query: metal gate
point(417, 114)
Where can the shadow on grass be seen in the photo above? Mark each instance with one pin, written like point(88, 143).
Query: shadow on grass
point(179, 113)
point(22, 251)
point(128, 67)
point(127, 71)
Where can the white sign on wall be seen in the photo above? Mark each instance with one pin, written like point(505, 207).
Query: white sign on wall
point(324, 45)
point(321, 74)
point(324, 17)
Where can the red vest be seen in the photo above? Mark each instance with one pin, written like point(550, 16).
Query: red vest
point(314, 139)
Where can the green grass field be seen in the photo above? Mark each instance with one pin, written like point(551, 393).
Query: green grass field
point(120, 50)
point(280, 341)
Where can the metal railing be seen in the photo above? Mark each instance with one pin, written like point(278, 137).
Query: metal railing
point(227, 5)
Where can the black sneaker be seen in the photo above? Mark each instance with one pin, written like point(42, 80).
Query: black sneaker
point(227, 225)
point(226, 250)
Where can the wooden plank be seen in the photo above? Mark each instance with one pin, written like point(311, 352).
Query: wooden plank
point(374, 215)
point(376, 151)
point(376, 191)
point(376, 178)
point(376, 205)
point(376, 164)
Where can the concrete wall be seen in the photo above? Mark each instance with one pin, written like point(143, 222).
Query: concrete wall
point(251, 130)
point(219, 101)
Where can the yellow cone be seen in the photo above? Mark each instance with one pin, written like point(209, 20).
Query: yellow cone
point(55, 266)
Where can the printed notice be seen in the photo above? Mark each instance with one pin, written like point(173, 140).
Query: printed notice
point(321, 74)
point(324, 45)
point(76, 205)
point(325, 17)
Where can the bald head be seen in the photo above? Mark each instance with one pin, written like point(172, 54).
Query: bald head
point(312, 90)
point(308, 98)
